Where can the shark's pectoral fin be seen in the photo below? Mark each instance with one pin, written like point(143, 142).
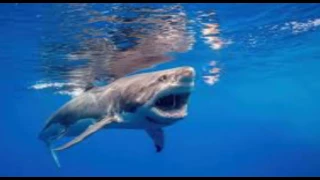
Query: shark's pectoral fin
point(89, 131)
point(157, 136)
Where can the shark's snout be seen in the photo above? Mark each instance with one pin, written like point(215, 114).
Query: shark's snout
point(187, 74)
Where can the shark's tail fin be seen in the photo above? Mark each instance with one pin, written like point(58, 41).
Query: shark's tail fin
point(55, 157)
point(48, 137)
point(53, 154)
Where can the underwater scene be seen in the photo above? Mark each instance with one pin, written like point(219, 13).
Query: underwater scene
point(160, 89)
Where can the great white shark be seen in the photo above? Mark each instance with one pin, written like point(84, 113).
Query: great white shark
point(147, 101)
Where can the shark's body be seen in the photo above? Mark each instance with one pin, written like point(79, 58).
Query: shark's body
point(147, 101)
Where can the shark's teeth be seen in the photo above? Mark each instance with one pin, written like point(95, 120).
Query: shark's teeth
point(172, 114)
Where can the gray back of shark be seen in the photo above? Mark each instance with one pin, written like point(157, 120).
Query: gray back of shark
point(146, 101)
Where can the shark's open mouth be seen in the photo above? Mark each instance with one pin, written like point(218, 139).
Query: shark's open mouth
point(172, 101)
point(172, 105)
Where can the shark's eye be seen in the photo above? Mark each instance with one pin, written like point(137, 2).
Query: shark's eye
point(163, 78)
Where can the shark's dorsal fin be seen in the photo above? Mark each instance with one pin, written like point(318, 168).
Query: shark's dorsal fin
point(157, 136)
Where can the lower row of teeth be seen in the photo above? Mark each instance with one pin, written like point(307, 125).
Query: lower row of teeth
point(175, 114)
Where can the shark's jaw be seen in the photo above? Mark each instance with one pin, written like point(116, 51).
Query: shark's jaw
point(171, 104)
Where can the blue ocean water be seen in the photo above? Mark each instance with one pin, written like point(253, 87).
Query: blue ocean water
point(254, 110)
